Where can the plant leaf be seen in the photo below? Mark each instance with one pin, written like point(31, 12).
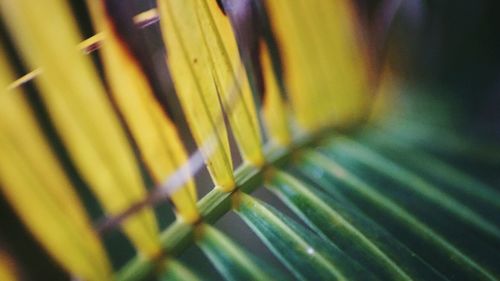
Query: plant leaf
point(193, 77)
point(230, 78)
point(79, 108)
point(155, 134)
point(231, 261)
point(355, 235)
point(445, 142)
point(305, 254)
point(37, 188)
point(274, 107)
point(418, 160)
point(176, 271)
point(435, 216)
point(253, 35)
point(444, 253)
point(408, 179)
point(324, 70)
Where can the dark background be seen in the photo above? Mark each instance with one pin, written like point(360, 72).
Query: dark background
point(453, 47)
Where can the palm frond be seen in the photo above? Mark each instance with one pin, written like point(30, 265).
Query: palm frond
point(287, 91)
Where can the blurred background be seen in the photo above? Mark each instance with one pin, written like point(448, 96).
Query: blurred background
point(452, 47)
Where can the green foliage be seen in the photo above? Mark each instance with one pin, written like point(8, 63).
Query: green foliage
point(365, 212)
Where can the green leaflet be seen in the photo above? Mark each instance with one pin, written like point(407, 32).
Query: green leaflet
point(233, 262)
point(458, 182)
point(435, 138)
point(308, 256)
point(413, 182)
point(444, 256)
point(176, 271)
point(428, 203)
point(355, 234)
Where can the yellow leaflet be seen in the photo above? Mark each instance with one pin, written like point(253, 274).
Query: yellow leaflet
point(155, 135)
point(47, 36)
point(193, 78)
point(347, 57)
point(296, 52)
point(37, 188)
point(274, 108)
point(327, 73)
point(323, 65)
point(230, 78)
point(7, 268)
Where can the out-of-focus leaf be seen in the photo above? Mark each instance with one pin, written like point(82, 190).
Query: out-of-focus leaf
point(418, 160)
point(416, 184)
point(192, 71)
point(308, 256)
point(176, 271)
point(255, 39)
point(445, 257)
point(356, 235)
point(472, 241)
point(231, 261)
point(273, 108)
point(39, 191)
point(155, 135)
point(325, 71)
point(47, 37)
point(445, 142)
